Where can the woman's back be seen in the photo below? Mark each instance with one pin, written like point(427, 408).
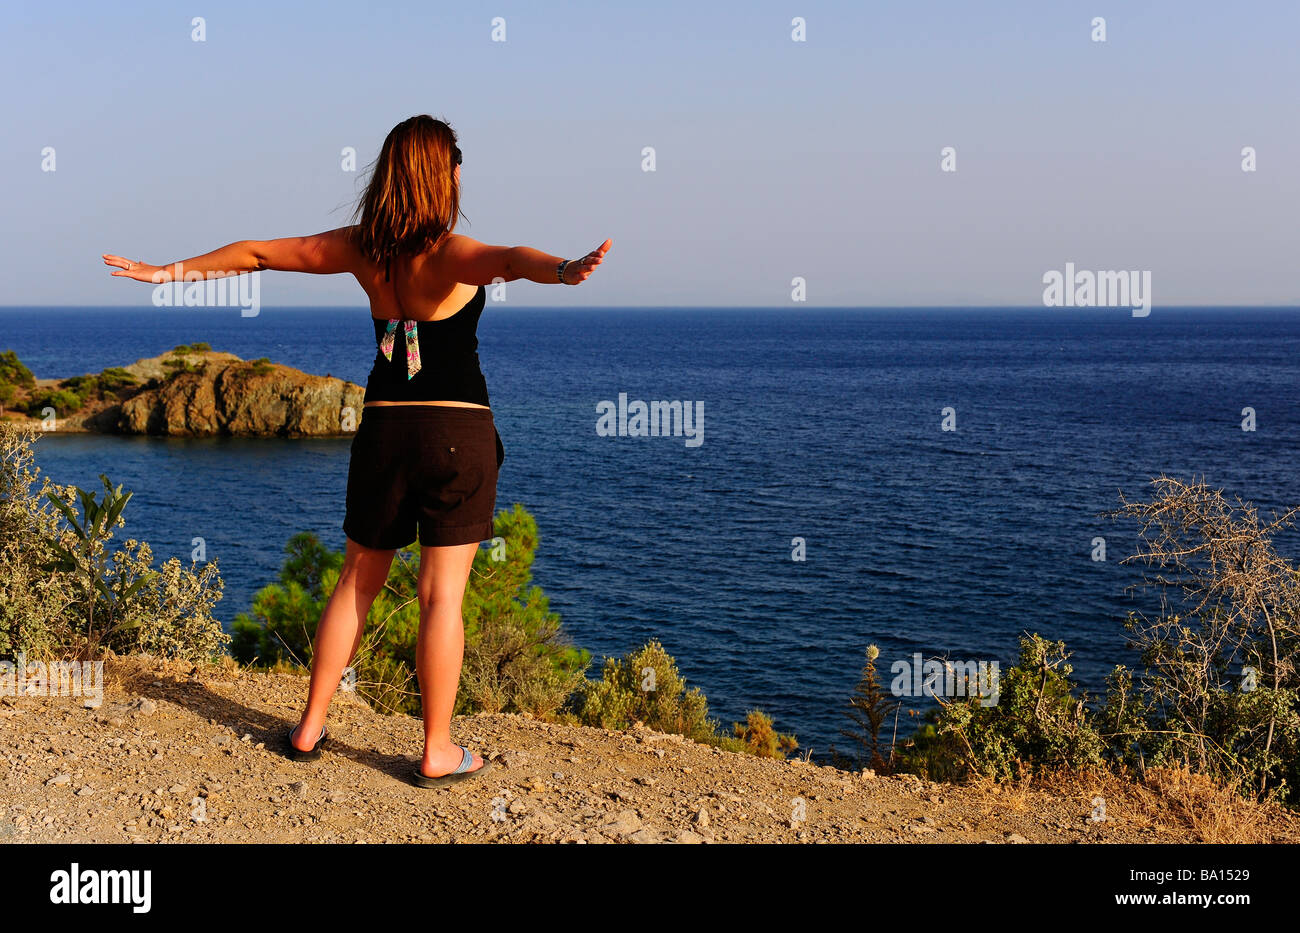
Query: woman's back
point(418, 288)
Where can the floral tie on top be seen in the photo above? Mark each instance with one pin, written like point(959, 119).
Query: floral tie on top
point(412, 345)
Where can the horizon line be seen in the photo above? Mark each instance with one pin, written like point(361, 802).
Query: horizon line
point(783, 307)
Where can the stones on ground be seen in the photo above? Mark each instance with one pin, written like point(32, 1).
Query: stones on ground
point(624, 823)
point(146, 707)
point(747, 798)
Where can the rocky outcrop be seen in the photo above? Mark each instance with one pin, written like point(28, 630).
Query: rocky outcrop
point(244, 400)
point(205, 394)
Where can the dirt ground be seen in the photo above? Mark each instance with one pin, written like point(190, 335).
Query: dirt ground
point(177, 755)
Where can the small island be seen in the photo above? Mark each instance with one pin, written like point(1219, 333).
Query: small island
point(190, 391)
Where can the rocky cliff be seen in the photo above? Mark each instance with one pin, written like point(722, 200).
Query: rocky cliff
point(203, 393)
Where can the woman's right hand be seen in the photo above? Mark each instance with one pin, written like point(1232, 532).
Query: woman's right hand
point(578, 270)
point(140, 271)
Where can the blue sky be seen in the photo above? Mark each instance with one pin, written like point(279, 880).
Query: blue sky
point(775, 158)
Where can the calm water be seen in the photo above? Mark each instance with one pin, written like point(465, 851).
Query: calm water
point(822, 424)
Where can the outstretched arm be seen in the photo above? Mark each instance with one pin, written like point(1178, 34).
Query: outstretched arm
point(475, 263)
point(325, 253)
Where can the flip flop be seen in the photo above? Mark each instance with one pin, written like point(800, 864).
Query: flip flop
point(298, 754)
point(420, 779)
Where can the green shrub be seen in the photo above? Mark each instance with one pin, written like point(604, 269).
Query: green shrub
point(115, 379)
point(73, 393)
point(32, 600)
point(1037, 725)
point(179, 364)
point(82, 386)
point(645, 686)
point(63, 401)
point(14, 377)
point(65, 591)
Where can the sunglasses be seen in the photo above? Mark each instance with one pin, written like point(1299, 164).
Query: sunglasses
point(455, 155)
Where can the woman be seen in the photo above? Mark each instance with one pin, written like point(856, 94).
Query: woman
point(425, 458)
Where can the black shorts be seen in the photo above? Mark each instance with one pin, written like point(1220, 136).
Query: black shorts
point(426, 469)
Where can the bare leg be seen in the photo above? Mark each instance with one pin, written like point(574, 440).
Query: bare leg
point(365, 570)
point(440, 649)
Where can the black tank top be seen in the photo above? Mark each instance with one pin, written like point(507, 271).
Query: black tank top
point(448, 359)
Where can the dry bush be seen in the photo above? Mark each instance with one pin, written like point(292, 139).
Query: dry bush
point(1178, 803)
point(1218, 688)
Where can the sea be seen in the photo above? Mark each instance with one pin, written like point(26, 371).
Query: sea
point(931, 481)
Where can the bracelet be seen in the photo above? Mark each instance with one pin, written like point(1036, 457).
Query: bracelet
point(559, 271)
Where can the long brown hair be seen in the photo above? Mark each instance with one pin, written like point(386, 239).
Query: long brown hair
point(412, 198)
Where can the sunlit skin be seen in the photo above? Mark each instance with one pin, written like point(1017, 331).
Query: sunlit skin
point(434, 286)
